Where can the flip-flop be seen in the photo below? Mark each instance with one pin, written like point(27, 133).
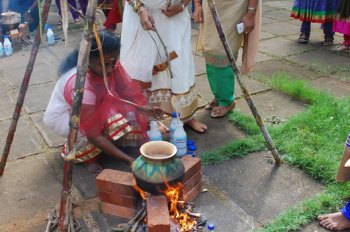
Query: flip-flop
point(224, 110)
point(303, 38)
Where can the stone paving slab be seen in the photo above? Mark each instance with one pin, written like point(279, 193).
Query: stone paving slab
point(258, 186)
point(316, 39)
point(266, 35)
point(7, 106)
point(38, 97)
point(287, 5)
point(219, 132)
point(51, 138)
point(270, 104)
point(333, 86)
point(282, 47)
point(25, 142)
point(322, 61)
point(28, 191)
point(265, 21)
point(253, 87)
point(279, 15)
point(268, 68)
point(281, 28)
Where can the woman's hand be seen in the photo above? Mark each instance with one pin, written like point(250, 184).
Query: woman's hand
point(173, 10)
point(198, 14)
point(249, 22)
point(147, 21)
point(154, 112)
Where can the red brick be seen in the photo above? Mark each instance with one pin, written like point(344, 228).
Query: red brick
point(191, 183)
point(192, 166)
point(192, 194)
point(118, 211)
point(158, 219)
point(120, 200)
point(116, 182)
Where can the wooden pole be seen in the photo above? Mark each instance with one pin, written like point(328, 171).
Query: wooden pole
point(24, 87)
point(83, 62)
point(244, 89)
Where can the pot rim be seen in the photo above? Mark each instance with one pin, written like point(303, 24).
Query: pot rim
point(150, 143)
point(9, 13)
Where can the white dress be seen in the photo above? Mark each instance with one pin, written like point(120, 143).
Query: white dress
point(141, 50)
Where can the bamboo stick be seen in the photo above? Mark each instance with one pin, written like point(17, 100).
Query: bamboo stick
point(83, 62)
point(244, 89)
point(24, 87)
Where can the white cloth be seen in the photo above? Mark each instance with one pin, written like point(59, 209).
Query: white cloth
point(58, 110)
point(141, 50)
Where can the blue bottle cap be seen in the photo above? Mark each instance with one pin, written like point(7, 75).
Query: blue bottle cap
point(190, 142)
point(211, 227)
point(174, 114)
point(191, 147)
point(6, 36)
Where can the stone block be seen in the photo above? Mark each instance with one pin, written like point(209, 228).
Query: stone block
point(193, 165)
point(118, 211)
point(115, 199)
point(117, 182)
point(191, 183)
point(194, 192)
point(158, 219)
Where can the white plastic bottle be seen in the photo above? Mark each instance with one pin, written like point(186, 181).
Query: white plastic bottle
point(50, 36)
point(180, 139)
point(1, 50)
point(154, 133)
point(7, 46)
point(173, 125)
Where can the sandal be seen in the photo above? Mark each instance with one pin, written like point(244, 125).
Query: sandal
point(221, 111)
point(328, 41)
point(211, 105)
point(341, 47)
point(303, 38)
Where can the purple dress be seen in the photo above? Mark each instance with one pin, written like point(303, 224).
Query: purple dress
point(316, 11)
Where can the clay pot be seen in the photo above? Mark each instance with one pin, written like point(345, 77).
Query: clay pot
point(157, 165)
point(9, 20)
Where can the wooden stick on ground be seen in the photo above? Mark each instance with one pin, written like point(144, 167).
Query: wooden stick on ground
point(244, 89)
point(83, 62)
point(24, 87)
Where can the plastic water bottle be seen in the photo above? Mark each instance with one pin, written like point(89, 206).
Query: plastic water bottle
point(7, 46)
point(191, 150)
point(172, 126)
point(154, 133)
point(50, 36)
point(180, 139)
point(211, 227)
point(1, 50)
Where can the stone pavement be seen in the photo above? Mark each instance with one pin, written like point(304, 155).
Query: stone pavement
point(244, 193)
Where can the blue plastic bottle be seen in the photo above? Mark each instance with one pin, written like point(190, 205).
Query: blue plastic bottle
point(211, 227)
point(7, 46)
point(172, 126)
point(180, 139)
point(191, 150)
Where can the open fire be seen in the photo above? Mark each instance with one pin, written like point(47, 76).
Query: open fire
point(182, 217)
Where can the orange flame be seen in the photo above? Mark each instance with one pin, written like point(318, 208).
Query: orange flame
point(174, 194)
point(140, 191)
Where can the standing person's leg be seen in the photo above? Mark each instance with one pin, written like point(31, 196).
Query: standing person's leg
point(114, 17)
point(73, 10)
point(222, 83)
point(336, 221)
point(304, 32)
point(58, 4)
point(328, 33)
point(83, 6)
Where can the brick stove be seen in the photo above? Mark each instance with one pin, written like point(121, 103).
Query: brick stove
point(119, 198)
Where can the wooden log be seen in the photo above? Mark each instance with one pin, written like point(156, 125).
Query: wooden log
point(244, 89)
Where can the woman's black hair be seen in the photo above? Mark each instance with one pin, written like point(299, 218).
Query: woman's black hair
point(110, 44)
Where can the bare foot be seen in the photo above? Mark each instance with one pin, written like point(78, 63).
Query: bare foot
point(334, 221)
point(196, 125)
point(162, 128)
point(94, 168)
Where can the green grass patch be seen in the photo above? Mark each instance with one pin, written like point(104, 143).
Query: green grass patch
point(312, 140)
